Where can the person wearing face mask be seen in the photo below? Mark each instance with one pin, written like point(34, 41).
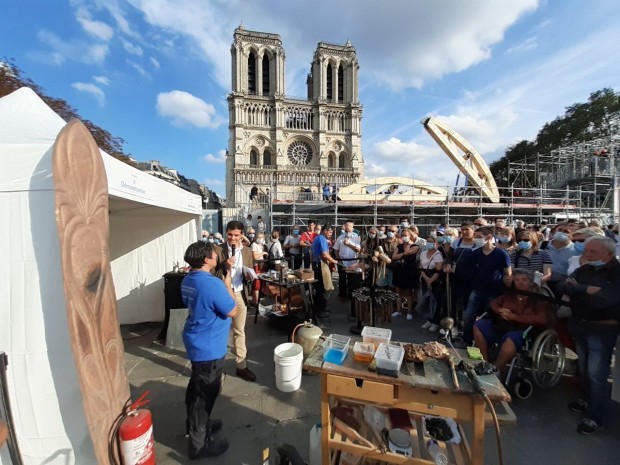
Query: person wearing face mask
point(346, 248)
point(579, 238)
point(205, 235)
point(594, 291)
point(306, 244)
point(459, 264)
point(371, 243)
point(431, 264)
point(389, 245)
point(259, 252)
point(528, 255)
point(211, 239)
point(560, 249)
point(404, 224)
point(292, 246)
point(260, 225)
point(491, 271)
point(506, 239)
point(217, 238)
point(406, 274)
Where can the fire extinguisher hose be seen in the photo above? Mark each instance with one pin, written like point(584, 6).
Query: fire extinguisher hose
point(114, 443)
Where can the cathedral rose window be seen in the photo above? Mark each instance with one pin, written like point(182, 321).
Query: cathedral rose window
point(299, 153)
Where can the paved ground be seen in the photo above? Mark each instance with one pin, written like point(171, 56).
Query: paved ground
point(257, 415)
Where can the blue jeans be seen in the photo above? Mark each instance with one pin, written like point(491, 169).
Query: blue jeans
point(595, 344)
point(477, 304)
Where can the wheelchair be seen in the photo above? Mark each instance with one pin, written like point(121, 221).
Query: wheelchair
point(541, 360)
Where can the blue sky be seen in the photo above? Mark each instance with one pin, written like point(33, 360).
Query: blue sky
point(157, 72)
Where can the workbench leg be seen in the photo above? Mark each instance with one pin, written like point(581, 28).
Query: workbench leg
point(325, 423)
point(477, 446)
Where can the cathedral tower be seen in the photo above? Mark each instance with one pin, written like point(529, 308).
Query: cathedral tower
point(289, 145)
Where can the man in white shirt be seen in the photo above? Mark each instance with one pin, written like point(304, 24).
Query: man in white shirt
point(232, 256)
point(347, 247)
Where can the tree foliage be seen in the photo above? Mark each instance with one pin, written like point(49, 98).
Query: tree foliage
point(581, 122)
point(12, 78)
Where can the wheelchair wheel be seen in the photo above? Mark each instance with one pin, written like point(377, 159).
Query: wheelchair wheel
point(548, 359)
point(523, 388)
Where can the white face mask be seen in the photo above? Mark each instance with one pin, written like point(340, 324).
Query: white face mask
point(260, 241)
point(406, 239)
point(479, 241)
point(405, 224)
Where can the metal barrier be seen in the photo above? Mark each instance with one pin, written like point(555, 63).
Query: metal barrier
point(5, 413)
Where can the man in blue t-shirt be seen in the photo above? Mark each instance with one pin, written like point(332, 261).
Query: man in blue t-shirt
point(321, 261)
point(211, 306)
point(491, 268)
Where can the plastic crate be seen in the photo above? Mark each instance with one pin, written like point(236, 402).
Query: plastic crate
point(335, 349)
point(389, 358)
point(364, 351)
point(376, 335)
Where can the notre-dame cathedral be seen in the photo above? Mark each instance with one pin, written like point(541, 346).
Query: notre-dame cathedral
point(286, 145)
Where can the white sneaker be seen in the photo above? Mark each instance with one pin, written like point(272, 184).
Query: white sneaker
point(409, 317)
point(426, 325)
point(396, 314)
point(433, 328)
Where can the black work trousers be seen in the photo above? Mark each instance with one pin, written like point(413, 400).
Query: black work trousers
point(320, 303)
point(203, 388)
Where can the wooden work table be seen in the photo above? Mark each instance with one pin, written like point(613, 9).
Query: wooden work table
point(421, 389)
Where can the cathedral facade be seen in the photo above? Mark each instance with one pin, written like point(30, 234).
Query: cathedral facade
point(286, 145)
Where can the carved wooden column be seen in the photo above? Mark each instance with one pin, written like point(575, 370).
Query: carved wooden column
point(81, 200)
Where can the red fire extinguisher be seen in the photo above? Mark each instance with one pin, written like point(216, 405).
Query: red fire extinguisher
point(136, 434)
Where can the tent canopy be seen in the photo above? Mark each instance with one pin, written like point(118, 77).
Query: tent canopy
point(151, 224)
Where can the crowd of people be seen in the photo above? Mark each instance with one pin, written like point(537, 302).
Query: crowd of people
point(468, 270)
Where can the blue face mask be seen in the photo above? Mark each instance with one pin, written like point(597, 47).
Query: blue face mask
point(597, 263)
point(448, 239)
point(295, 231)
point(525, 245)
point(429, 246)
point(504, 239)
point(441, 240)
point(580, 247)
point(561, 236)
point(390, 234)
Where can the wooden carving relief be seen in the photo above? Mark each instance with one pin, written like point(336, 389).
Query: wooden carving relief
point(81, 200)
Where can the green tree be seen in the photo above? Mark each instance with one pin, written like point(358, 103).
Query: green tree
point(12, 78)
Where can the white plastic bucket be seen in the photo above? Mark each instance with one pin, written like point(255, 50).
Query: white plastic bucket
point(288, 358)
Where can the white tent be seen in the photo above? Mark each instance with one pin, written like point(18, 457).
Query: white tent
point(151, 224)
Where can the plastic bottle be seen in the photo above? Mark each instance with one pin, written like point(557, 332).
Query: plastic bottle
point(436, 453)
point(314, 443)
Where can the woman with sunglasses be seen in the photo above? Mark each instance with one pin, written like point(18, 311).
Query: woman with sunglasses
point(528, 255)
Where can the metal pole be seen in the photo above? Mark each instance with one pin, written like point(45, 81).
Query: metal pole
point(5, 413)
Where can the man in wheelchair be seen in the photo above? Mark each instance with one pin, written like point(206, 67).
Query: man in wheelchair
point(518, 308)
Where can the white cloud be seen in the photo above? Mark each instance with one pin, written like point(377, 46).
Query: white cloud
point(91, 89)
point(101, 80)
point(184, 108)
point(411, 43)
point(139, 69)
point(97, 29)
point(529, 44)
point(132, 48)
point(76, 50)
point(155, 62)
point(219, 158)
